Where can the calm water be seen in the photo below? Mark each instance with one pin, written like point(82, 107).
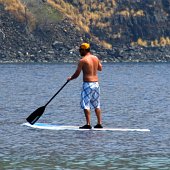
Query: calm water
point(132, 96)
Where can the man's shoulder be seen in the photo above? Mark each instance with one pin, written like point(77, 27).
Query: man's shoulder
point(94, 56)
point(87, 59)
point(82, 60)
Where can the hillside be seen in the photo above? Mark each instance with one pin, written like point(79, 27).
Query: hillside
point(51, 30)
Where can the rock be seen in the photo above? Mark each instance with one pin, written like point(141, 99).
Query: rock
point(59, 42)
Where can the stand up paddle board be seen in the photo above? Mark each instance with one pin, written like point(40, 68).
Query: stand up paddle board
point(62, 127)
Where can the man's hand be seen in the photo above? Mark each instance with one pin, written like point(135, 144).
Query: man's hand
point(69, 78)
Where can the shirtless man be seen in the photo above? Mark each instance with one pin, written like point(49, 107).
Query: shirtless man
point(90, 95)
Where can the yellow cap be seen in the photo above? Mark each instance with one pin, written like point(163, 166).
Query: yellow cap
point(85, 46)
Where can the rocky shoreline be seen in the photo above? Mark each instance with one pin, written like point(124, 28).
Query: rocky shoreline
point(63, 55)
point(59, 42)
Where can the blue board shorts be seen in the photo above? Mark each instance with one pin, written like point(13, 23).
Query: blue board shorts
point(90, 95)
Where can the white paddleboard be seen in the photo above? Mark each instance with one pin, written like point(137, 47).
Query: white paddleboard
point(62, 127)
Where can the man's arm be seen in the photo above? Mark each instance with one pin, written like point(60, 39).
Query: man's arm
point(99, 66)
point(77, 72)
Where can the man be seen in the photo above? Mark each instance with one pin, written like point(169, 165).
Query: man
point(90, 95)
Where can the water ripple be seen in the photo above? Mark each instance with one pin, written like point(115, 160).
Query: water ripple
point(132, 96)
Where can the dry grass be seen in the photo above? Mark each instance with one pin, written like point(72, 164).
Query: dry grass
point(91, 13)
point(88, 14)
point(163, 41)
point(127, 13)
point(16, 8)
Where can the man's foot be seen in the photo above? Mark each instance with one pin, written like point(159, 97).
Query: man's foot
point(85, 127)
point(98, 126)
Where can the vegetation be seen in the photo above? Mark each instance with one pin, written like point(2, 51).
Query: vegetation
point(31, 12)
point(89, 16)
point(128, 13)
point(16, 8)
point(42, 12)
point(163, 41)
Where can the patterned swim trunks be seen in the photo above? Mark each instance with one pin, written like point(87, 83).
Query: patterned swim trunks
point(90, 95)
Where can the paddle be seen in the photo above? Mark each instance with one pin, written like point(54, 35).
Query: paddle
point(33, 117)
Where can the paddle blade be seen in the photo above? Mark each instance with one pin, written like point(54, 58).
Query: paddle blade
point(33, 117)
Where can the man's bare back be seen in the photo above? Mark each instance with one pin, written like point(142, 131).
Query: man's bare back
point(89, 64)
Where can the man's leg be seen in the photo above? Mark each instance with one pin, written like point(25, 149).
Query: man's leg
point(98, 114)
point(99, 118)
point(87, 115)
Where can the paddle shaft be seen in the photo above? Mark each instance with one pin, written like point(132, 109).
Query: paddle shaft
point(56, 93)
point(38, 113)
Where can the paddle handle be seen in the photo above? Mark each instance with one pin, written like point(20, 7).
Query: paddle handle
point(57, 93)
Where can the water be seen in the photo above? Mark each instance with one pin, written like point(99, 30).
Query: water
point(132, 96)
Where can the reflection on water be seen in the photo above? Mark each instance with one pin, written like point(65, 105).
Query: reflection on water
point(132, 96)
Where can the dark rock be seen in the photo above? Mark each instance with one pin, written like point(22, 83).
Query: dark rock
point(59, 42)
